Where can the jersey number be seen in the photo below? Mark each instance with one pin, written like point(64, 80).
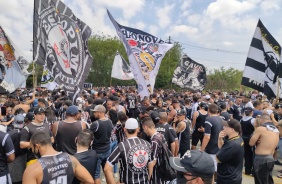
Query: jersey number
point(59, 180)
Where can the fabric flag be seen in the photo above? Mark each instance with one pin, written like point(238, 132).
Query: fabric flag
point(60, 45)
point(263, 63)
point(190, 74)
point(47, 80)
point(145, 53)
point(121, 70)
point(13, 66)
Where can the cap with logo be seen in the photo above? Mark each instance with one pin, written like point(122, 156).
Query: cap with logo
point(39, 110)
point(196, 162)
point(131, 124)
point(248, 109)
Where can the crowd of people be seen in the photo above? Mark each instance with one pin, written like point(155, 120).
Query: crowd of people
point(168, 137)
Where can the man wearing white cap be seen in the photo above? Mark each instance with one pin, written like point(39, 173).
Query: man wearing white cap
point(133, 155)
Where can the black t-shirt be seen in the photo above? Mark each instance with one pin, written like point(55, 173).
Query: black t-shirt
point(163, 129)
point(88, 159)
point(29, 130)
point(213, 125)
point(6, 149)
point(236, 111)
point(230, 157)
point(131, 101)
point(16, 137)
point(134, 154)
point(102, 133)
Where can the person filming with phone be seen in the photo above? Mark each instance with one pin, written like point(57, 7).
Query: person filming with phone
point(7, 117)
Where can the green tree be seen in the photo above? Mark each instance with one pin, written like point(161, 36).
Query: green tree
point(224, 79)
point(103, 50)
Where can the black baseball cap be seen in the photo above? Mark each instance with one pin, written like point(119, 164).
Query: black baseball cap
point(155, 116)
point(233, 123)
point(222, 105)
point(203, 104)
point(39, 110)
point(181, 112)
point(196, 162)
point(248, 109)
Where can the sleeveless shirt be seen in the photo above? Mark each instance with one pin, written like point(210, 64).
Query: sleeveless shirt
point(57, 169)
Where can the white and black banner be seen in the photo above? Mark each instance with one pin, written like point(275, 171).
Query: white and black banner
point(60, 44)
point(263, 63)
point(121, 70)
point(145, 53)
point(13, 73)
point(47, 80)
point(190, 74)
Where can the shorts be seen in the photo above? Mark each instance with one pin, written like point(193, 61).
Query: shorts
point(214, 161)
point(6, 179)
point(196, 137)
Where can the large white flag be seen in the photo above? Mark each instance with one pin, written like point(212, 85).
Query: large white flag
point(263, 66)
point(145, 53)
point(121, 70)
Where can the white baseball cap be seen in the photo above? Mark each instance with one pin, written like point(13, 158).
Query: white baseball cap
point(131, 123)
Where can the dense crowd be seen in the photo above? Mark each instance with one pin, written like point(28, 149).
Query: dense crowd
point(168, 137)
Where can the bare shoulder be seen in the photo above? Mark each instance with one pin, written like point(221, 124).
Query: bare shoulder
point(33, 173)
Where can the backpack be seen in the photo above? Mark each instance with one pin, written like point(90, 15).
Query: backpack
point(165, 171)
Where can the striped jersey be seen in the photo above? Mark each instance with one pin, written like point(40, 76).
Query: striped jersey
point(134, 154)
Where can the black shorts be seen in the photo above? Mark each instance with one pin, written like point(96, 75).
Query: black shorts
point(196, 137)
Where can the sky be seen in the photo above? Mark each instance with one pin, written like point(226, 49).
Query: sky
point(214, 33)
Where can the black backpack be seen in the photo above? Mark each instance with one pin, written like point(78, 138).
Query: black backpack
point(165, 171)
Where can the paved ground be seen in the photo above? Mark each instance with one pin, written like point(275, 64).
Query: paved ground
point(250, 180)
point(247, 179)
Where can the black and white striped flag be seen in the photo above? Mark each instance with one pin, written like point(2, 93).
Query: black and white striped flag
point(263, 63)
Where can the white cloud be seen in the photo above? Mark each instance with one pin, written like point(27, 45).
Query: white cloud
point(130, 8)
point(164, 15)
point(270, 5)
point(184, 30)
point(139, 25)
point(194, 19)
point(186, 4)
point(153, 30)
point(226, 43)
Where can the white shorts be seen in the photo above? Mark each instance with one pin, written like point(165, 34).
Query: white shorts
point(214, 161)
point(3, 179)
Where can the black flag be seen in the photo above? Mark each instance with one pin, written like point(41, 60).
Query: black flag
point(190, 74)
point(60, 44)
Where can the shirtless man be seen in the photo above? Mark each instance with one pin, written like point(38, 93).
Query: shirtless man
point(24, 103)
point(266, 138)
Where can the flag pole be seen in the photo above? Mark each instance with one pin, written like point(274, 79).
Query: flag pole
point(278, 95)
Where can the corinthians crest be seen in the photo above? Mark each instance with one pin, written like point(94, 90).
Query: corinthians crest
point(61, 45)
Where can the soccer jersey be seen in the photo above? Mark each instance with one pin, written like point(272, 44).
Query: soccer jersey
point(134, 156)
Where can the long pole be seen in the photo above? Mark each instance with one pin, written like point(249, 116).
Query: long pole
point(278, 87)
